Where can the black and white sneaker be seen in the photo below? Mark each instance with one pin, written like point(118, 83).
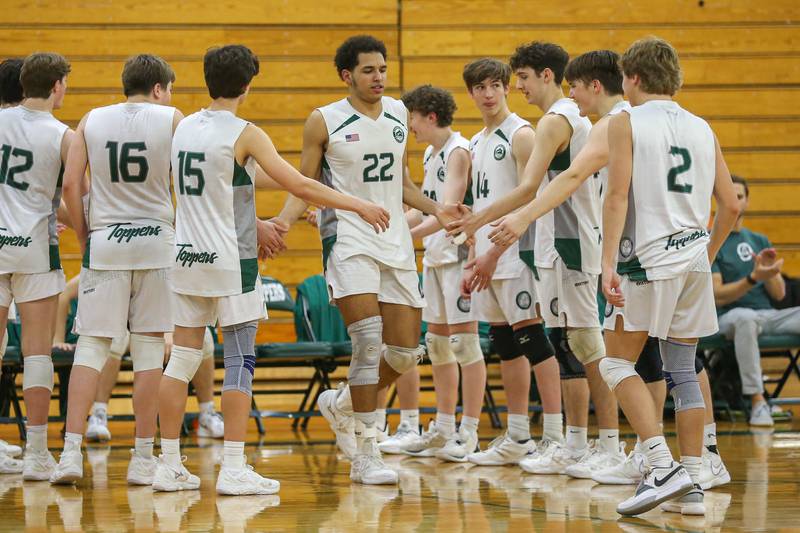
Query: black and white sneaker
point(657, 486)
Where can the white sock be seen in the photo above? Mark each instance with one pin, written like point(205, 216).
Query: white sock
point(609, 440)
point(576, 437)
point(470, 424)
point(380, 419)
point(99, 406)
point(445, 423)
point(144, 446)
point(233, 454)
point(412, 417)
point(657, 451)
point(171, 451)
point(37, 438)
point(693, 466)
point(710, 435)
point(72, 441)
point(519, 427)
point(207, 407)
point(551, 427)
point(365, 427)
point(343, 401)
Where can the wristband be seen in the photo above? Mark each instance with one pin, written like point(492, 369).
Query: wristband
point(750, 279)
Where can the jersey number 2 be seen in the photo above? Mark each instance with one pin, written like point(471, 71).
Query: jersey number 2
point(7, 174)
point(373, 159)
point(120, 162)
point(672, 176)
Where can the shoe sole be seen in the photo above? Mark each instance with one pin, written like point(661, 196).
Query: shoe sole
point(261, 492)
point(652, 504)
point(718, 481)
point(383, 481)
point(616, 481)
point(428, 452)
point(451, 458)
point(139, 482)
point(67, 479)
point(174, 488)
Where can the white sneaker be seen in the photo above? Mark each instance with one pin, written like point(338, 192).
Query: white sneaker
point(234, 513)
point(343, 425)
point(97, 430)
point(169, 479)
point(38, 466)
point(713, 472)
point(427, 444)
point(383, 433)
point(690, 503)
point(9, 465)
point(141, 470)
point(597, 460)
point(555, 462)
point(397, 442)
point(628, 472)
point(459, 446)
point(657, 486)
point(69, 468)
point(503, 451)
point(11, 450)
point(761, 415)
point(210, 424)
point(245, 481)
point(543, 450)
point(368, 467)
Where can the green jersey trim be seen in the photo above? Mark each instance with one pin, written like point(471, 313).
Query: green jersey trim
point(633, 269)
point(55, 258)
point(346, 123)
point(570, 252)
point(560, 162)
point(86, 261)
point(249, 270)
point(387, 115)
point(240, 176)
point(527, 258)
point(502, 135)
point(327, 248)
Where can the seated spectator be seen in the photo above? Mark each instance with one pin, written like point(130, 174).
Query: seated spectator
point(747, 275)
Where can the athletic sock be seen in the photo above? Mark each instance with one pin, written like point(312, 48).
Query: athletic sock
point(365, 428)
point(412, 417)
point(710, 437)
point(551, 427)
point(207, 407)
point(144, 447)
point(37, 438)
point(445, 423)
point(692, 465)
point(657, 451)
point(380, 419)
point(609, 440)
point(343, 401)
point(470, 424)
point(171, 451)
point(233, 454)
point(576, 437)
point(72, 442)
point(519, 427)
point(99, 407)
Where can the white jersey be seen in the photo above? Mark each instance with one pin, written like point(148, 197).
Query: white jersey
point(494, 174)
point(30, 190)
point(439, 248)
point(602, 174)
point(571, 231)
point(130, 205)
point(669, 203)
point(216, 248)
point(364, 158)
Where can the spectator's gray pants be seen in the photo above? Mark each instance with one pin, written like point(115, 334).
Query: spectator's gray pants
point(743, 326)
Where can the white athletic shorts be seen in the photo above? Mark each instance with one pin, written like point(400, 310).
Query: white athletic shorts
point(361, 274)
point(30, 287)
point(110, 302)
point(567, 297)
point(506, 301)
point(199, 311)
point(681, 307)
point(441, 286)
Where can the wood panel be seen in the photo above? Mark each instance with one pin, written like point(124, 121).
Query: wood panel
point(757, 165)
point(779, 229)
point(501, 42)
point(769, 197)
point(556, 12)
point(720, 70)
point(201, 12)
point(182, 41)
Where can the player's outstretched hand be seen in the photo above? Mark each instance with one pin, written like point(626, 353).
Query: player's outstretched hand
point(611, 288)
point(508, 230)
point(312, 217)
point(374, 215)
point(483, 268)
point(766, 264)
point(464, 286)
point(467, 224)
point(270, 238)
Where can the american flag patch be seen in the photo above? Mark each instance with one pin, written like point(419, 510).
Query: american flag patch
point(351, 137)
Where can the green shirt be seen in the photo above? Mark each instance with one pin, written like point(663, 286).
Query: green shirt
point(735, 261)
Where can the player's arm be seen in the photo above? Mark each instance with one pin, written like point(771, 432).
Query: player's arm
point(264, 181)
point(615, 206)
point(73, 185)
point(727, 205)
point(315, 137)
point(455, 186)
point(256, 143)
point(177, 116)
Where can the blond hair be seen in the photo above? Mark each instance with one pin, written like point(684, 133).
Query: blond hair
point(656, 63)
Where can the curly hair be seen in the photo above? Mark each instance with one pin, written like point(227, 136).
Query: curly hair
point(427, 99)
point(10, 86)
point(346, 57)
point(539, 56)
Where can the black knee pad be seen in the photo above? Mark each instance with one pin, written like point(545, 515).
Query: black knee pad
point(533, 343)
point(568, 364)
point(698, 364)
point(649, 365)
point(502, 339)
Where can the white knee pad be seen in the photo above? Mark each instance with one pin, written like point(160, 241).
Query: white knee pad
point(587, 344)
point(208, 345)
point(92, 352)
point(439, 351)
point(403, 359)
point(183, 363)
point(466, 347)
point(147, 353)
point(119, 346)
point(614, 370)
point(38, 372)
point(367, 338)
